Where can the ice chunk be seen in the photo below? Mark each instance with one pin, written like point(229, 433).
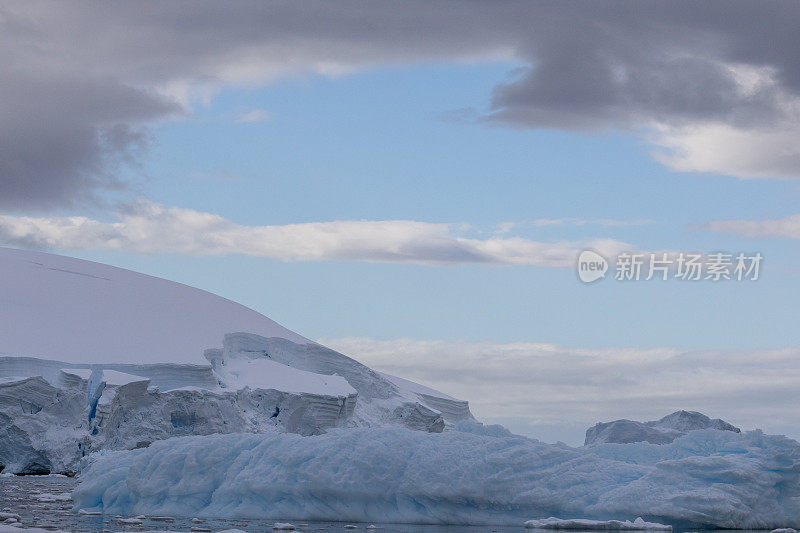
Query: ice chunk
point(283, 526)
point(74, 378)
point(583, 524)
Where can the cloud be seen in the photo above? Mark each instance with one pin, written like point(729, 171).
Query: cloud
point(744, 152)
point(786, 228)
point(152, 228)
point(82, 82)
point(256, 115)
point(537, 387)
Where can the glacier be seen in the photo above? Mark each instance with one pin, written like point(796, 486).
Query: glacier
point(119, 360)
point(706, 478)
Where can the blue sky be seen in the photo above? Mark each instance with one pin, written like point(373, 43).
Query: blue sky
point(376, 145)
point(410, 182)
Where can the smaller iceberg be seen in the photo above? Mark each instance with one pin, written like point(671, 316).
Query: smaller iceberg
point(661, 431)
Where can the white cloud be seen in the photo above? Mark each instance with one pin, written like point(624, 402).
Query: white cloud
point(724, 149)
point(256, 115)
point(152, 228)
point(537, 387)
point(759, 145)
point(788, 227)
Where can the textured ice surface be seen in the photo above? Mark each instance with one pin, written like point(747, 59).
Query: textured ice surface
point(391, 474)
point(582, 524)
point(660, 431)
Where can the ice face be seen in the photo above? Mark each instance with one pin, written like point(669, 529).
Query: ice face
point(705, 478)
point(253, 384)
point(42, 427)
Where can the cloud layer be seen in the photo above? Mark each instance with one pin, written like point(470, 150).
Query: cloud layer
point(716, 84)
point(787, 228)
point(151, 228)
point(538, 387)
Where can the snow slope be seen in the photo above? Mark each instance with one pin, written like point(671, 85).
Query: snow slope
point(392, 474)
point(64, 309)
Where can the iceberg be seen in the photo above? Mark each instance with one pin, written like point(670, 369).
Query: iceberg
point(706, 478)
point(660, 431)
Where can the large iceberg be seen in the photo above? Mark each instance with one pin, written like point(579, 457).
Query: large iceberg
point(391, 474)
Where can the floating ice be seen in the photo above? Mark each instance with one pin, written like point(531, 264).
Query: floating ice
point(583, 524)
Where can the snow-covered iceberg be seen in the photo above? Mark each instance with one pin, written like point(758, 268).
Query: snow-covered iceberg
point(392, 474)
point(660, 431)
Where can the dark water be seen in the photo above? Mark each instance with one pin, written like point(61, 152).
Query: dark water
point(43, 502)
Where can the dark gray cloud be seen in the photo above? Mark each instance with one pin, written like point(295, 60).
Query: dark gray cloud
point(81, 81)
point(597, 64)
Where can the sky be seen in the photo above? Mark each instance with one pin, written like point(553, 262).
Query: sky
point(411, 183)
